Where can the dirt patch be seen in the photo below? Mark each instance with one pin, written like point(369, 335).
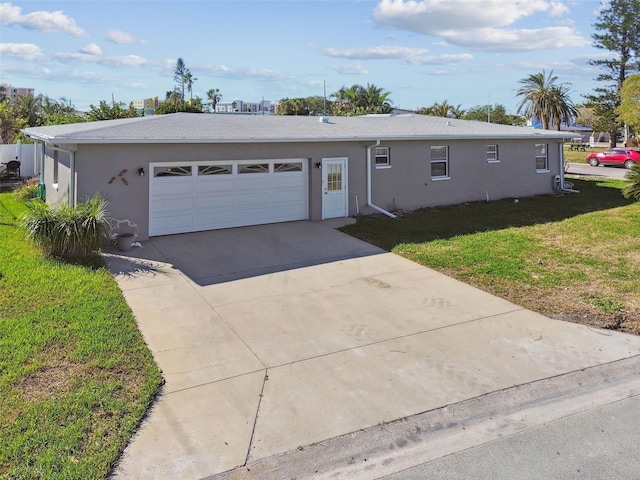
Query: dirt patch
point(51, 380)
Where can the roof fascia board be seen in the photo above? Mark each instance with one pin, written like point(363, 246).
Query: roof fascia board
point(77, 141)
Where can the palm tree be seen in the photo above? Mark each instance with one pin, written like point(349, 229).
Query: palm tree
point(214, 95)
point(561, 108)
point(444, 109)
point(188, 82)
point(543, 99)
point(30, 108)
point(376, 99)
point(359, 100)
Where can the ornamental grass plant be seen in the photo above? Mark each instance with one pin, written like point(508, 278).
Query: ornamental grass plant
point(72, 232)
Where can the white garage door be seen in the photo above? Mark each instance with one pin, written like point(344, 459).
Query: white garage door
point(194, 196)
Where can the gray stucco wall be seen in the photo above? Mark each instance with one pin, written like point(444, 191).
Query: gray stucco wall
point(408, 180)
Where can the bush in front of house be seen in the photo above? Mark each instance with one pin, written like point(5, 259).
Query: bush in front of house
point(632, 190)
point(26, 192)
point(65, 231)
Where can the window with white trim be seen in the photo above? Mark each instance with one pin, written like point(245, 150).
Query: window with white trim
point(439, 162)
point(542, 160)
point(382, 156)
point(492, 154)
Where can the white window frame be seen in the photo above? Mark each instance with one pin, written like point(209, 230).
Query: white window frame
point(383, 153)
point(544, 157)
point(492, 153)
point(439, 160)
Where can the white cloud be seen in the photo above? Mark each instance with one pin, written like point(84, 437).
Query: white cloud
point(118, 36)
point(375, 53)
point(112, 61)
point(91, 49)
point(24, 51)
point(349, 69)
point(480, 24)
point(506, 40)
point(411, 55)
point(42, 21)
point(259, 73)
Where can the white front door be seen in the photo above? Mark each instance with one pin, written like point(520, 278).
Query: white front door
point(334, 188)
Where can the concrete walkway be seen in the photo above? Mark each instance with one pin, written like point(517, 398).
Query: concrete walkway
point(277, 337)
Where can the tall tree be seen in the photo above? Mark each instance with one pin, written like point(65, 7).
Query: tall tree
point(542, 98)
point(561, 107)
point(629, 109)
point(214, 96)
point(188, 81)
point(618, 31)
point(179, 72)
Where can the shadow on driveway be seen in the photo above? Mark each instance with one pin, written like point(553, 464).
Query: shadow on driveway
point(219, 256)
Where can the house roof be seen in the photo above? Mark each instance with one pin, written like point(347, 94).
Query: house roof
point(226, 128)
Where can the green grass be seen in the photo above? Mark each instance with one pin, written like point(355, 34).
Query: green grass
point(580, 157)
point(575, 257)
point(76, 377)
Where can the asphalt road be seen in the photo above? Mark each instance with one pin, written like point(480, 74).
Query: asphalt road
point(586, 170)
point(602, 443)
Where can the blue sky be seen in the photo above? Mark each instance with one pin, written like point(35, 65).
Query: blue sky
point(468, 52)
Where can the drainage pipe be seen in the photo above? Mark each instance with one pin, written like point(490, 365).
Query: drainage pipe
point(561, 161)
point(369, 202)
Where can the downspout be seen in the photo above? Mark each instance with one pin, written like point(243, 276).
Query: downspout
point(561, 161)
point(72, 173)
point(39, 152)
point(369, 202)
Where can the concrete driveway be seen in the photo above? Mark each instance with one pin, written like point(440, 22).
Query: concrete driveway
point(275, 338)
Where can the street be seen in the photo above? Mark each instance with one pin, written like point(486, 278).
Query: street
point(586, 170)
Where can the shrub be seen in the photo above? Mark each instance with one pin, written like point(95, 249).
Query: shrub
point(68, 231)
point(26, 192)
point(632, 190)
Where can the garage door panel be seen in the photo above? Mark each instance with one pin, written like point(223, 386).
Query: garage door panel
point(215, 202)
point(216, 186)
point(172, 222)
point(229, 199)
point(173, 205)
point(172, 187)
point(214, 220)
point(292, 196)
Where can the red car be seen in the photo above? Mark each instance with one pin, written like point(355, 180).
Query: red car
point(616, 156)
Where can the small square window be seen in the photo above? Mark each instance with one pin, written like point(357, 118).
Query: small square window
point(382, 157)
point(542, 160)
point(492, 154)
point(439, 162)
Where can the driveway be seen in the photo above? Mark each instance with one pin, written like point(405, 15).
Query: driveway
point(276, 338)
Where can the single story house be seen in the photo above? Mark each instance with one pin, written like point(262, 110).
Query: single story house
point(188, 172)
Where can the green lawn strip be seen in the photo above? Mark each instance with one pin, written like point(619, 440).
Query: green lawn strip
point(575, 256)
point(76, 377)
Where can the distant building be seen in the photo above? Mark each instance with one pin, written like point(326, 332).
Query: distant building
point(15, 92)
point(264, 107)
point(147, 106)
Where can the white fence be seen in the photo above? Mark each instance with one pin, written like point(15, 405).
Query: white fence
point(24, 154)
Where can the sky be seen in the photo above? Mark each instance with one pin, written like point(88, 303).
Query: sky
point(467, 52)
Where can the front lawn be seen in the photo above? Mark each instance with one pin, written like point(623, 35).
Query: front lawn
point(574, 257)
point(76, 377)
